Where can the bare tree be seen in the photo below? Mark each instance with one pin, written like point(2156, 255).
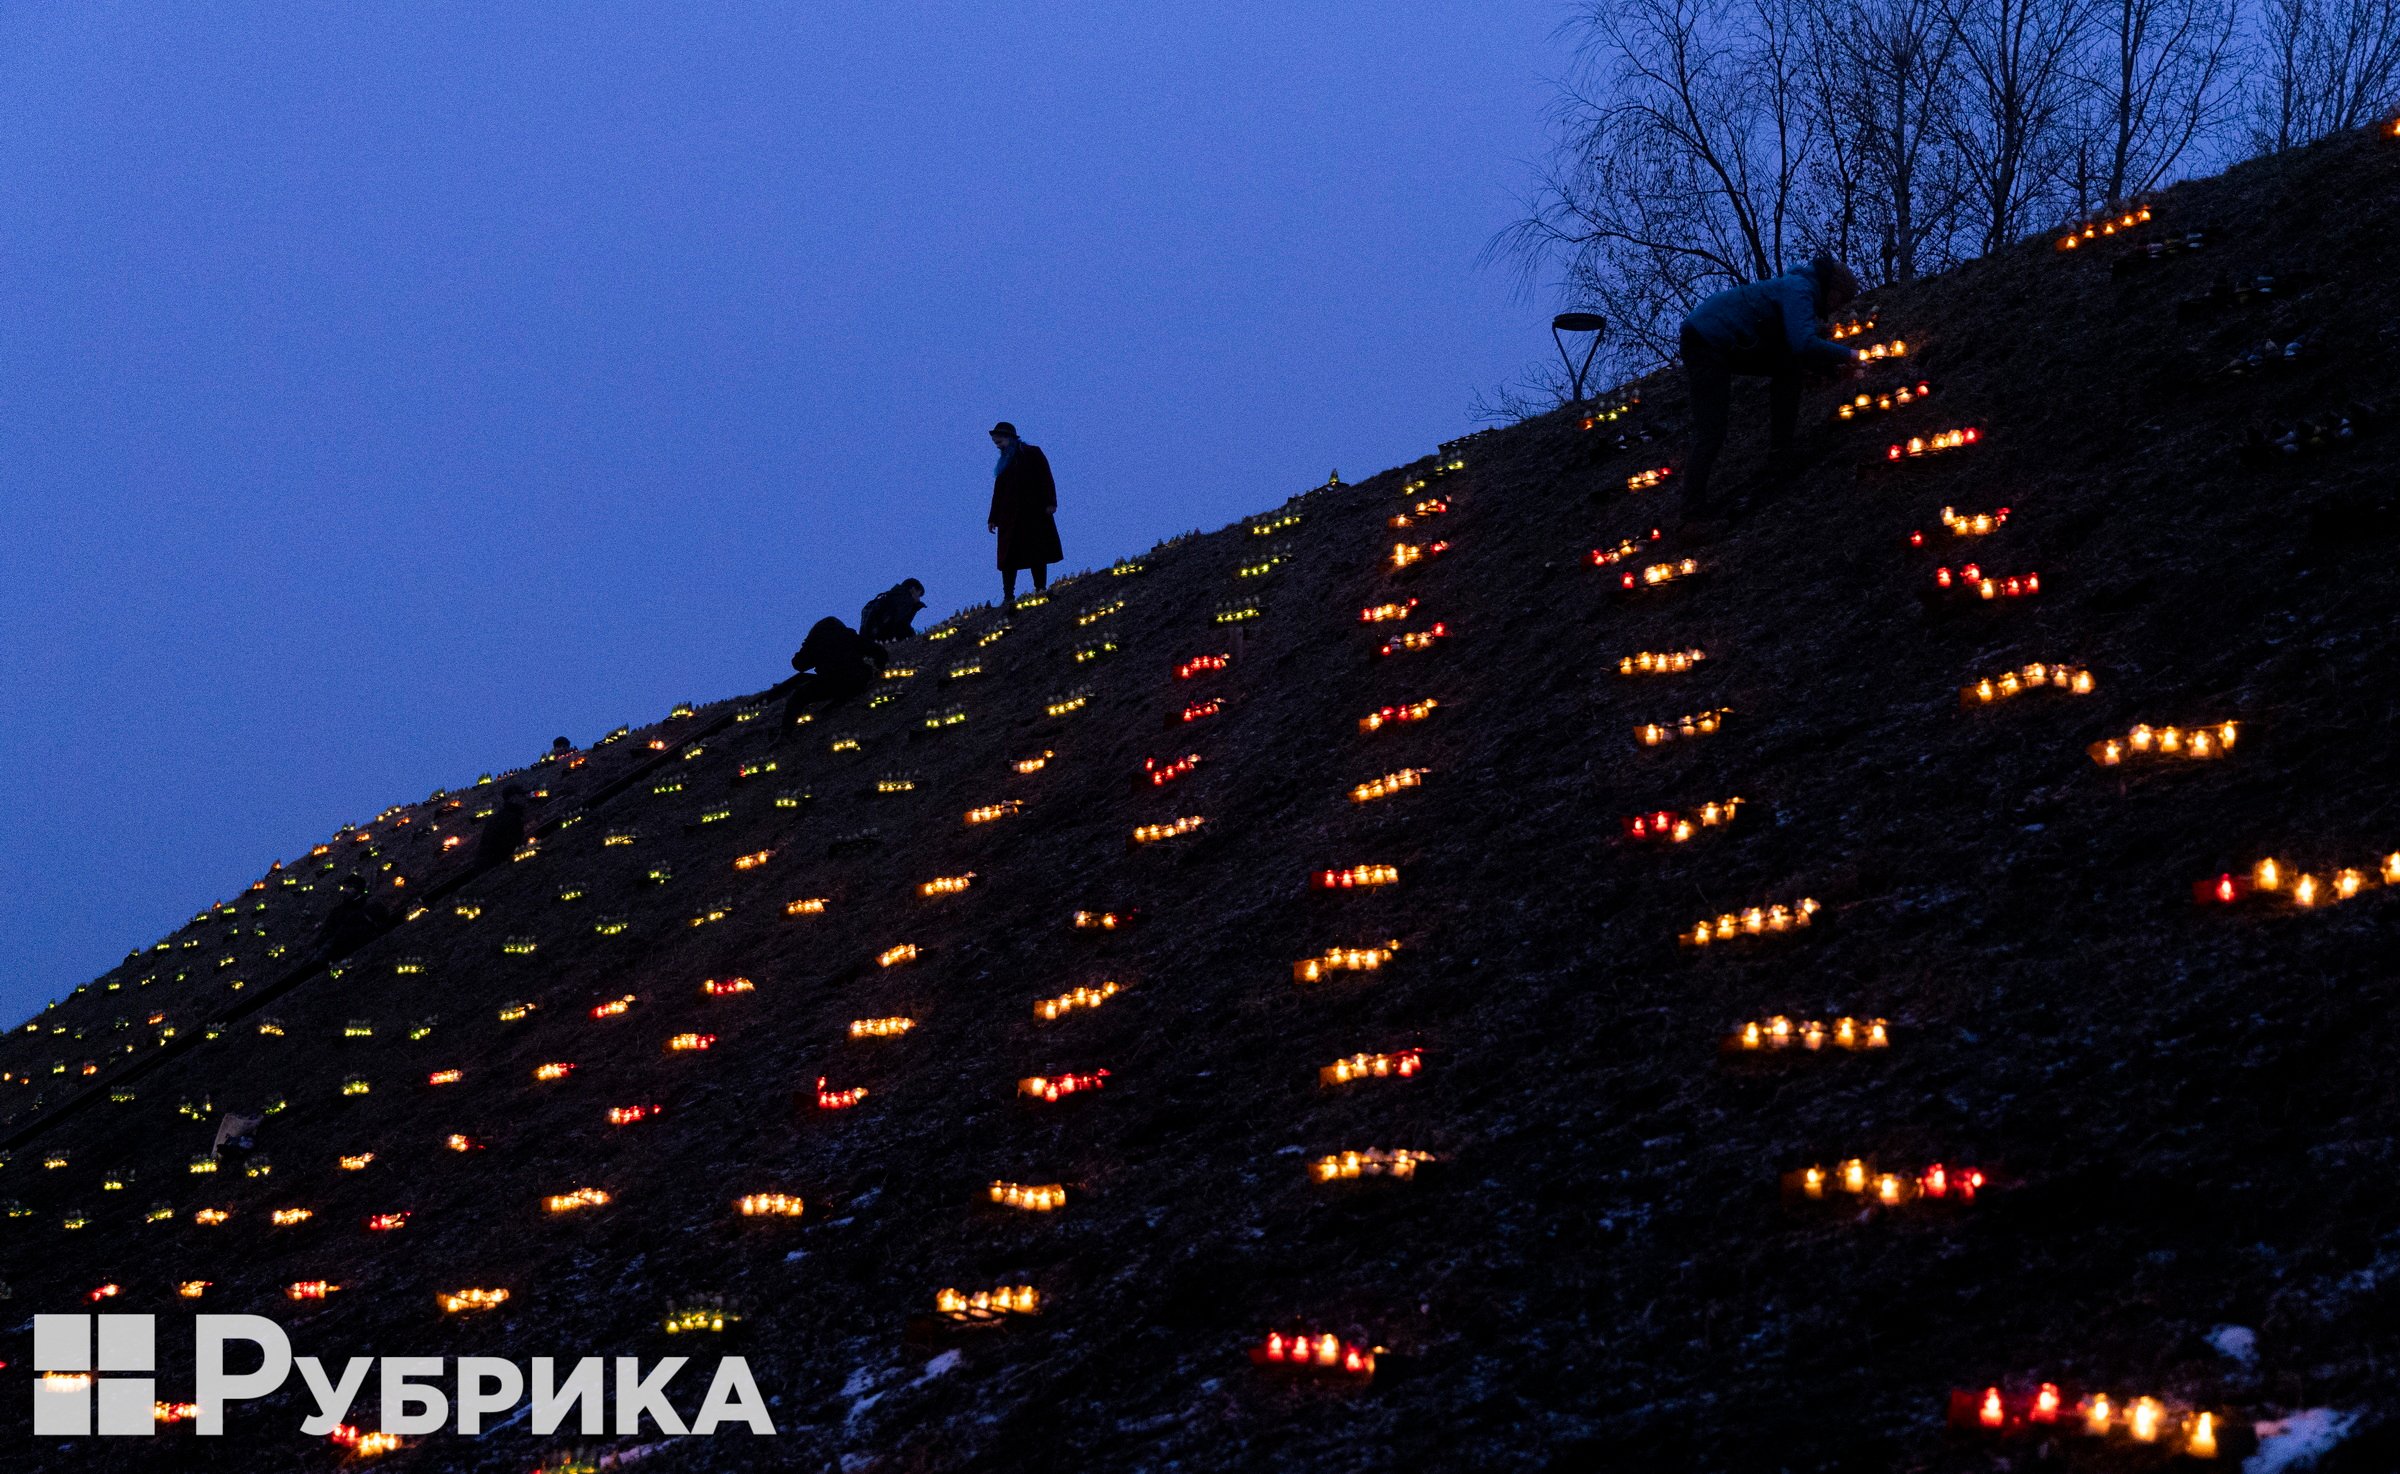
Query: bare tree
point(2322, 66)
point(1680, 163)
point(2155, 76)
point(1887, 86)
point(2011, 132)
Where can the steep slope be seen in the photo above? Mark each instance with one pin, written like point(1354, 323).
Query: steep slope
point(2184, 1111)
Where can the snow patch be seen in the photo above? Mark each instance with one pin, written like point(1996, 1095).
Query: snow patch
point(2235, 1343)
point(2297, 1442)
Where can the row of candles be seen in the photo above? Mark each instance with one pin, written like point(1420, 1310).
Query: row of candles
point(2269, 878)
point(2198, 1433)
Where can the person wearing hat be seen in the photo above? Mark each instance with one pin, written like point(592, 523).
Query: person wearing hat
point(1772, 329)
point(892, 614)
point(1023, 501)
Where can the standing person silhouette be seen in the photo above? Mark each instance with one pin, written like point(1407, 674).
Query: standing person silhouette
point(1023, 499)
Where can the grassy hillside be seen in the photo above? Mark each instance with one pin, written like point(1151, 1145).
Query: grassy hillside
point(2184, 1111)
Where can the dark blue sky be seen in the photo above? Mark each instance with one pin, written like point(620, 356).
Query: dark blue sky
point(392, 387)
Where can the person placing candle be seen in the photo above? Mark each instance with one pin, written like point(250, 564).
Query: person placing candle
point(1770, 329)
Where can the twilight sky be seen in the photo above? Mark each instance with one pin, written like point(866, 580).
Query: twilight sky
point(391, 387)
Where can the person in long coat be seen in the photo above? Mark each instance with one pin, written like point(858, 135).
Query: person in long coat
point(1023, 501)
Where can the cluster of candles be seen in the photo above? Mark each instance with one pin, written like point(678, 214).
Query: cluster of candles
point(1261, 568)
point(1269, 526)
point(1375, 1162)
point(386, 1222)
point(1200, 664)
point(454, 1302)
point(807, 906)
point(1432, 506)
point(1668, 824)
point(2304, 890)
point(557, 1069)
point(752, 860)
point(988, 812)
point(1605, 414)
point(1968, 524)
point(627, 1115)
point(1327, 1353)
point(1662, 573)
point(1089, 653)
point(1047, 1009)
point(1357, 877)
point(1372, 1067)
point(1099, 612)
point(946, 885)
point(948, 716)
point(894, 956)
point(1757, 921)
point(991, 635)
point(1030, 765)
point(838, 1100)
point(1416, 639)
point(964, 669)
point(2034, 676)
point(1857, 1179)
point(690, 1043)
point(1099, 920)
point(1404, 554)
point(1875, 352)
point(1063, 705)
point(1415, 711)
point(2092, 230)
point(1343, 959)
point(1052, 1087)
point(1940, 440)
point(1602, 557)
point(1388, 784)
point(1649, 480)
point(987, 1304)
point(1659, 662)
point(768, 1205)
point(309, 1289)
point(713, 1318)
point(1046, 1197)
point(1780, 1032)
point(1153, 833)
point(286, 1217)
point(1379, 613)
point(881, 1028)
point(365, 1445)
point(1855, 327)
point(1160, 773)
point(2198, 745)
point(1197, 710)
point(1985, 586)
point(1698, 724)
point(1236, 613)
point(516, 1013)
point(725, 987)
point(2143, 1419)
point(896, 783)
point(1896, 399)
point(445, 1077)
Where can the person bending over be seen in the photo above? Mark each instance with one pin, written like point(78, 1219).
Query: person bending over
point(835, 663)
point(1772, 329)
point(892, 614)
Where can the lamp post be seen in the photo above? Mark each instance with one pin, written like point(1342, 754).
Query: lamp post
point(1578, 322)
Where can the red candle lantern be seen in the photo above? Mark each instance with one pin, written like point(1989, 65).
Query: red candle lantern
point(1051, 1088)
point(1675, 827)
point(1416, 639)
point(838, 1100)
point(1325, 1355)
point(1415, 711)
point(1201, 665)
point(1159, 774)
point(1357, 877)
point(1934, 444)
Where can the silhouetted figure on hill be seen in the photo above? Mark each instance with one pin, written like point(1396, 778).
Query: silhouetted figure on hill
point(835, 663)
point(1772, 329)
point(892, 614)
point(504, 833)
point(354, 920)
point(1024, 497)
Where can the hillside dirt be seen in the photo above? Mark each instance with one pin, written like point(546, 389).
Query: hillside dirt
point(2186, 1113)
